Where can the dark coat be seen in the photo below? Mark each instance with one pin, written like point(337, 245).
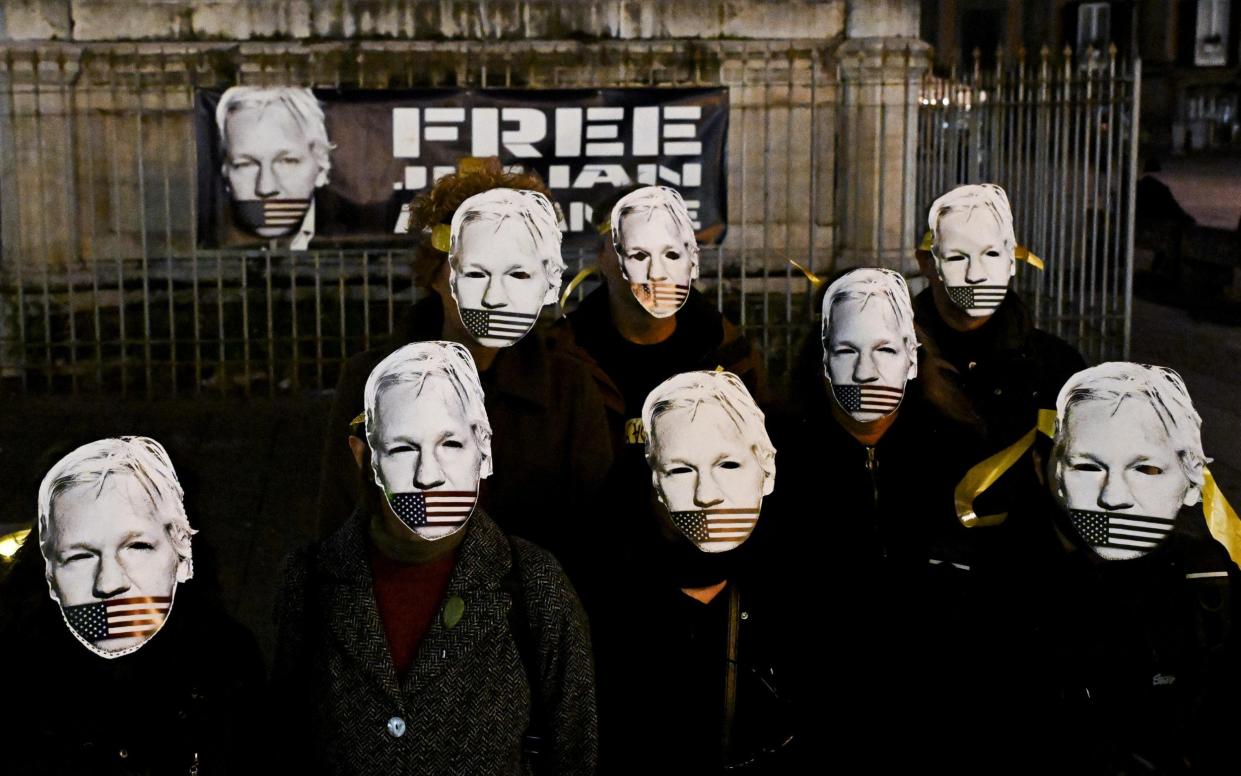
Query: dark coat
point(192, 692)
point(549, 435)
point(1133, 665)
point(1008, 368)
point(465, 702)
point(897, 603)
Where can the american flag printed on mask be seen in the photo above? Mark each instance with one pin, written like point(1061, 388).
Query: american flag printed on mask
point(438, 508)
point(663, 295)
point(977, 297)
point(275, 213)
point(497, 323)
point(1120, 531)
point(868, 398)
point(118, 618)
point(716, 525)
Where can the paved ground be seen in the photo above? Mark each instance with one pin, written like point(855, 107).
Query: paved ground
point(1208, 186)
point(250, 468)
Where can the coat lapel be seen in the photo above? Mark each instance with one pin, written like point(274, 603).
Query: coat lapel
point(484, 561)
point(348, 597)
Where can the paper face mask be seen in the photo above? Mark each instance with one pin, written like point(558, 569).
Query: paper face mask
point(272, 165)
point(974, 247)
point(429, 438)
point(115, 541)
point(654, 240)
point(710, 457)
point(1117, 470)
point(869, 345)
point(505, 263)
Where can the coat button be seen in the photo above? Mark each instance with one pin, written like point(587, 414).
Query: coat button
point(123, 754)
point(396, 727)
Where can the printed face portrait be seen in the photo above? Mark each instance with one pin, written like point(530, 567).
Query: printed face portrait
point(654, 241)
point(973, 262)
point(1120, 478)
point(505, 263)
point(711, 460)
point(272, 164)
point(113, 565)
point(866, 358)
point(500, 284)
point(426, 456)
point(115, 542)
point(869, 343)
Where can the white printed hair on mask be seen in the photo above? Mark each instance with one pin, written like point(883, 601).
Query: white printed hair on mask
point(505, 263)
point(1127, 456)
point(115, 541)
point(653, 237)
point(430, 439)
point(711, 459)
point(870, 348)
point(974, 246)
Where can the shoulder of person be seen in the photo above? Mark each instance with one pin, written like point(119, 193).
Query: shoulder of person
point(1056, 352)
point(543, 581)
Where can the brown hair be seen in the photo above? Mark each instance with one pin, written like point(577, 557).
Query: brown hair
point(436, 206)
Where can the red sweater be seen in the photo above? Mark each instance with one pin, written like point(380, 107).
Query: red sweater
point(408, 597)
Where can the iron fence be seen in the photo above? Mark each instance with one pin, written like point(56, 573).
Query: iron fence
point(104, 288)
point(1060, 134)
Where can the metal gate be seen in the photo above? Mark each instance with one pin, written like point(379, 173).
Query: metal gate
point(1060, 134)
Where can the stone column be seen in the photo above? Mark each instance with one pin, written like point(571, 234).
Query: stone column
point(881, 68)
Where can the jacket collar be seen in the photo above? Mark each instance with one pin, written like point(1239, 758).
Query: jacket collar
point(520, 371)
point(348, 601)
point(1007, 329)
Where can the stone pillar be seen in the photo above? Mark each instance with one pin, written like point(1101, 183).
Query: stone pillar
point(881, 68)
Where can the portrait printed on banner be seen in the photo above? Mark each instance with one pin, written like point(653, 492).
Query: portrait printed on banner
point(429, 437)
point(870, 348)
point(1127, 456)
point(711, 459)
point(974, 247)
point(276, 155)
point(654, 240)
point(115, 541)
point(504, 263)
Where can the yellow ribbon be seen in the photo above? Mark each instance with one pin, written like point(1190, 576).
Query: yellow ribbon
point(814, 279)
point(441, 237)
point(10, 544)
point(606, 227)
point(1020, 253)
point(1221, 518)
point(472, 164)
point(575, 282)
point(984, 474)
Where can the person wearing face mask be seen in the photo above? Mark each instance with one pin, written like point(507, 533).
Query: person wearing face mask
point(130, 667)
point(418, 638)
point(1135, 629)
point(864, 531)
point(489, 250)
point(983, 329)
point(686, 652)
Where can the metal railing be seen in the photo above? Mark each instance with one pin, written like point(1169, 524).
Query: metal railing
point(104, 288)
point(1060, 135)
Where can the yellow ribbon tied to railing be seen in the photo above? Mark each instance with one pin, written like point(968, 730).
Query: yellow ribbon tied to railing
point(1221, 519)
point(577, 280)
point(1020, 253)
point(814, 279)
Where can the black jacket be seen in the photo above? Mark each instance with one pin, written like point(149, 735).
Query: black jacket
point(549, 441)
point(1135, 664)
point(1008, 369)
point(192, 693)
point(898, 604)
point(465, 702)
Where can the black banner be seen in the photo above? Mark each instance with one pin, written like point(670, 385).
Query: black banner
point(388, 145)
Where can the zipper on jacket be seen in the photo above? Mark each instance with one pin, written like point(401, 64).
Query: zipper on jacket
point(872, 468)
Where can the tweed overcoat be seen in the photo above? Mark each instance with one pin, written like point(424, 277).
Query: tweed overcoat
point(464, 705)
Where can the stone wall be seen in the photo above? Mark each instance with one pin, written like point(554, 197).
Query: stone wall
point(97, 20)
